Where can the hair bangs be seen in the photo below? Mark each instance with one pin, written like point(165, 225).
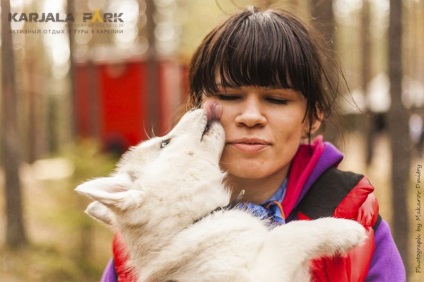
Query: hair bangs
point(254, 57)
point(259, 49)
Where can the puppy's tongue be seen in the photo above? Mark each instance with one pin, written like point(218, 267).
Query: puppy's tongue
point(213, 110)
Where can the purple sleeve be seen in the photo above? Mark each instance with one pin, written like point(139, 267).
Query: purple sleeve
point(386, 263)
point(109, 274)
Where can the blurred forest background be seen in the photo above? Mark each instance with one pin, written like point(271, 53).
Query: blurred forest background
point(75, 94)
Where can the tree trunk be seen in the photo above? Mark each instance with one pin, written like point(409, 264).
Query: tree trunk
point(72, 89)
point(323, 20)
point(322, 13)
point(368, 126)
point(10, 141)
point(399, 133)
point(152, 117)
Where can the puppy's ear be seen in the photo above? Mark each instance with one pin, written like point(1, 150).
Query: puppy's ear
point(100, 213)
point(113, 192)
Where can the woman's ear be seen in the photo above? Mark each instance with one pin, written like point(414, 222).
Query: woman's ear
point(312, 126)
point(316, 123)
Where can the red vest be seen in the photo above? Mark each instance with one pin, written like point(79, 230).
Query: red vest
point(361, 205)
point(121, 257)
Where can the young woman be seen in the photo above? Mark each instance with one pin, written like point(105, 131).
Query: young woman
point(263, 74)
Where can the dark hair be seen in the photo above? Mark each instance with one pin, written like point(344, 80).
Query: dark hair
point(269, 48)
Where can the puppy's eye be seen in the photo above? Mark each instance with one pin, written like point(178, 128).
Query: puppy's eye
point(164, 143)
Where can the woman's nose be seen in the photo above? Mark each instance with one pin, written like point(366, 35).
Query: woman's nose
point(250, 114)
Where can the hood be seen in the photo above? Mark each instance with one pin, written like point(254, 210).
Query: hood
point(309, 163)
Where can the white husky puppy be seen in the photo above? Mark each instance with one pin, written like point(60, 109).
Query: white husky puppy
point(165, 199)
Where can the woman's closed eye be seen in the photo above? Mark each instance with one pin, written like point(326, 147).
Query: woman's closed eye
point(277, 101)
point(227, 97)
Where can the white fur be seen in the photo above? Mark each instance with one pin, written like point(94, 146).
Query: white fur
point(157, 196)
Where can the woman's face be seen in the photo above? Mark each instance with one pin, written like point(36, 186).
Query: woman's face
point(263, 127)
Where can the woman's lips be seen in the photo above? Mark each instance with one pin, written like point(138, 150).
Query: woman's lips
point(249, 145)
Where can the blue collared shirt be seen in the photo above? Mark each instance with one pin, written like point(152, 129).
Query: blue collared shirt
point(273, 209)
point(268, 210)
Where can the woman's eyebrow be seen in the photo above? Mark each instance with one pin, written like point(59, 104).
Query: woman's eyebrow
point(219, 85)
